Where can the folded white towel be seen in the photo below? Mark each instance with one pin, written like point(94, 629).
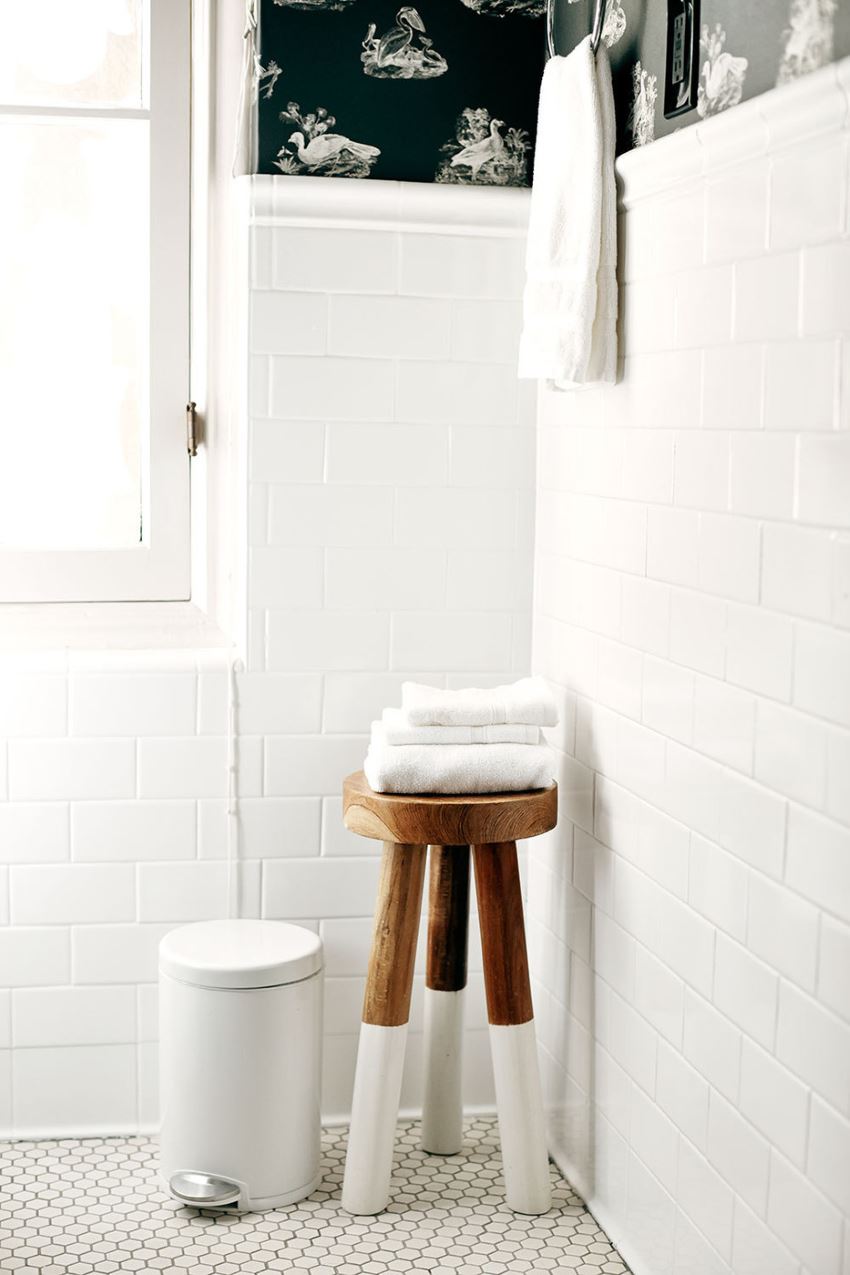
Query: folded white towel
point(397, 728)
point(457, 768)
point(570, 303)
point(527, 702)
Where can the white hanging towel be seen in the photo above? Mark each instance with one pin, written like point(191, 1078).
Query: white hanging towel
point(570, 303)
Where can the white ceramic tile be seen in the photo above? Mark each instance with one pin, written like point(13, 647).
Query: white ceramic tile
point(826, 276)
point(33, 832)
point(352, 701)
point(327, 887)
point(115, 953)
point(705, 1197)
point(736, 214)
point(795, 216)
point(390, 327)
point(311, 765)
point(756, 1249)
point(43, 1016)
point(386, 579)
point(387, 455)
point(461, 266)
point(456, 393)
point(336, 260)
point(822, 672)
point(729, 556)
point(268, 827)
point(834, 966)
point(799, 385)
point(327, 640)
point(482, 456)
point(724, 723)
point(683, 1094)
point(34, 957)
point(287, 451)
point(767, 297)
point(125, 831)
point(485, 331)
point(818, 861)
point(828, 1164)
point(823, 480)
point(762, 475)
point(272, 704)
point(468, 640)
point(803, 1219)
point(774, 1101)
point(182, 767)
point(331, 389)
point(701, 478)
point(291, 321)
point(454, 518)
point(68, 1089)
point(33, 703)
point(791, 753)
point(330, 515)
point(62, 894)
point(718, 887)
point(815, 1045)
point(81, 769)
point(746, 990)
point(192, 891)
point(738, 1152)
point(759, 651)
point(712, 1043)
point(796, 570)
point(280, 577)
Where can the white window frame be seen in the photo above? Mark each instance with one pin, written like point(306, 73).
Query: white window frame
point(159, 569)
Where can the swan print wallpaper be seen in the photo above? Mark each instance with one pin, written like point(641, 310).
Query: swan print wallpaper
point(437, 91)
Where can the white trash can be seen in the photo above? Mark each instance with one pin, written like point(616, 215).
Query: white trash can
point(240, 1063)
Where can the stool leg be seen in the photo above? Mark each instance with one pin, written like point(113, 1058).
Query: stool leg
point(386, 1008)
point(519, 1098)
point(448, 926)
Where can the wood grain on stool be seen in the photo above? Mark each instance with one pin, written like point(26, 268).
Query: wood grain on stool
point(447, 821)
point(448, 918)
point(499, 892)
point(390, 976)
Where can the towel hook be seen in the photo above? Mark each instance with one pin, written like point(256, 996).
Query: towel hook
point(595, 35)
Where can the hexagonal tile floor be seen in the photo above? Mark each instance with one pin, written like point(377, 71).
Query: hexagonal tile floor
point(75, 1207)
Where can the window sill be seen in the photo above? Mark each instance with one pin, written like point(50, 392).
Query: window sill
point(109, 626)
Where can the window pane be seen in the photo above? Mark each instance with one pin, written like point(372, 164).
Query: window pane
point(74, 278)
point(72, 52)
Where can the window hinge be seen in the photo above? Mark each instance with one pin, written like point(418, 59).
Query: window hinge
point(192, 429)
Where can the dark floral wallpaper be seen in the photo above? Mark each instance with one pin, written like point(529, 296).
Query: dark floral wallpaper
point(439, 90)
point(745, 48)
point(446, 90)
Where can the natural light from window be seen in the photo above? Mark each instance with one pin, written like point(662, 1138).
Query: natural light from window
point(74, 274)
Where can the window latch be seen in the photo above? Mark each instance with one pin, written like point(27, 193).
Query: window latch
point(192, 429)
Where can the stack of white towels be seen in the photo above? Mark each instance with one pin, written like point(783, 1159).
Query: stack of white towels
point(471, 741)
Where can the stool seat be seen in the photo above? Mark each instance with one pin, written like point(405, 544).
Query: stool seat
point(440, 820)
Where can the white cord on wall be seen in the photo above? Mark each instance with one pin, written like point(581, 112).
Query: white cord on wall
point(235, 667)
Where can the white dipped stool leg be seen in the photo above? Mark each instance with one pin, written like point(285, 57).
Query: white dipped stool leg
point(442, 1108)
point(386, 1009)
point(516, 1073)
point(448, 926)
point(374, 1110)
point(522, 1131)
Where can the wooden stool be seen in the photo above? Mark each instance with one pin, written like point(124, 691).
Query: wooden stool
point(491, 825)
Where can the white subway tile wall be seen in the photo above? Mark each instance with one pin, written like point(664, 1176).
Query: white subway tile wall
point(391, 476)
point(691, 604)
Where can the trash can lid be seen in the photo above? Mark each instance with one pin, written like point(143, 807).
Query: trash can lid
point(240, 953)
